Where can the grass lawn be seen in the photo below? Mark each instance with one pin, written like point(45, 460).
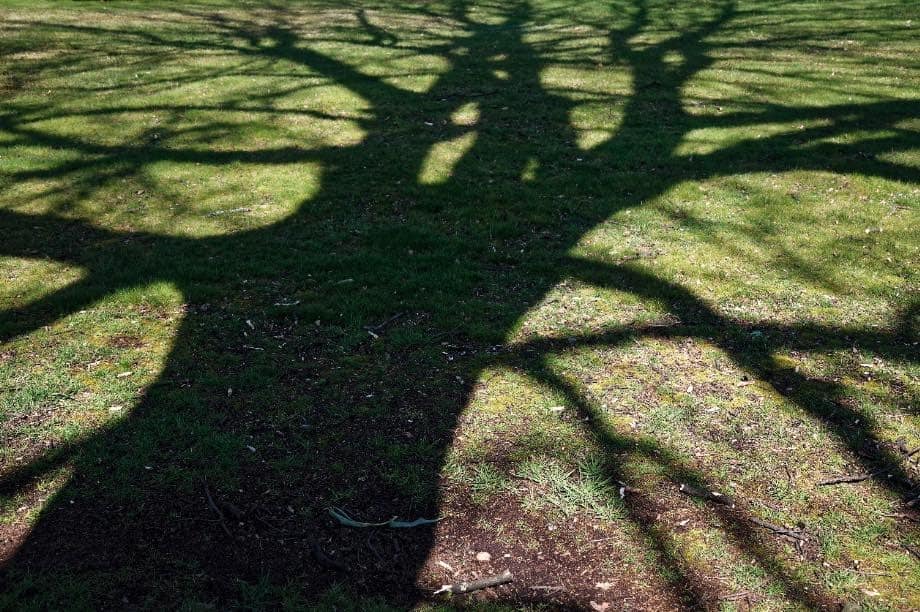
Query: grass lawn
point(529, 267)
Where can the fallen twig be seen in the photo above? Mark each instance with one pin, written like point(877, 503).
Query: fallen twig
point(475, 585)
point(900, 515)
point(342, 517)
point(777, 529)
point(734, 596)
point(851, 479)
point(713, 496)
point(218, 213)
point(381, 326)
point(605, 539)
point(216, 509)
point(468, 94)
point(548, 589)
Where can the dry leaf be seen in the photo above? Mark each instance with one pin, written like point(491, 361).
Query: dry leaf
point(604, 585)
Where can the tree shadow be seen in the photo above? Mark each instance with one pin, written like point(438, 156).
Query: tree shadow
point(437, 272)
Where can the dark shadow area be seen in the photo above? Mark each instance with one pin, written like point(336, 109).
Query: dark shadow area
point(438, 272)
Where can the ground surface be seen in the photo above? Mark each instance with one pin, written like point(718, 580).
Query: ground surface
point(527, 267)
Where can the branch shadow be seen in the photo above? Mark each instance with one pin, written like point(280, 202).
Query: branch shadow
point(336, 416)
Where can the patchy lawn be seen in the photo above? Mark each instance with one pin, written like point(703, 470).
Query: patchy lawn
point(553, 272)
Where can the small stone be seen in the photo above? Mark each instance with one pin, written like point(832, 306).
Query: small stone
point(483, 557)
